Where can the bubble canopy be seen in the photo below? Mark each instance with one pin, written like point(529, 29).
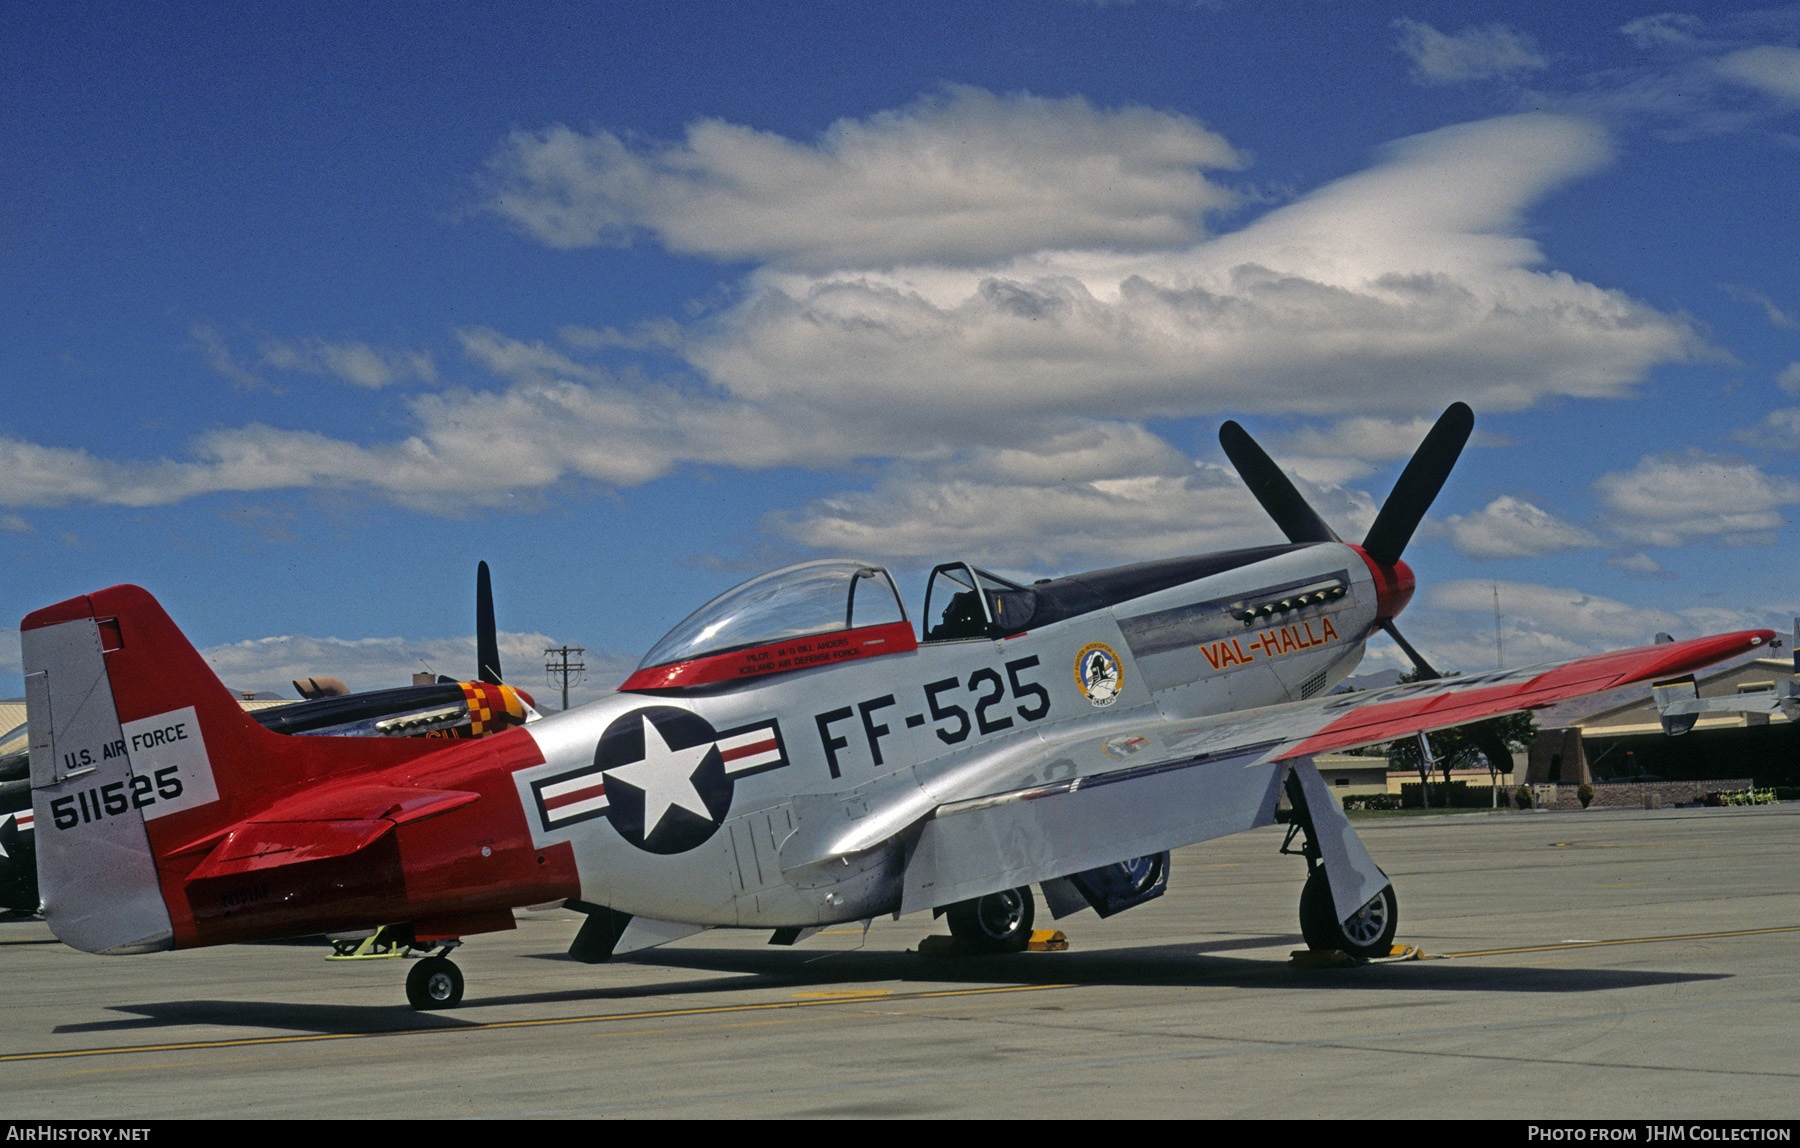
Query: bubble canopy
point(797, 601)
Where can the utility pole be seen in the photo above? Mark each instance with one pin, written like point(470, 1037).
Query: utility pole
point(566, 666)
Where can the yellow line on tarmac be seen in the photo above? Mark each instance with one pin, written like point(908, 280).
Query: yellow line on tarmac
point(870, 997)
point(1626, 941)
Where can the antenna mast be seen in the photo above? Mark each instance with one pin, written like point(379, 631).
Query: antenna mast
point(1499, 657)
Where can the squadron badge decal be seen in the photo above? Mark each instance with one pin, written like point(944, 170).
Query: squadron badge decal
point(663, 776)
point(1098, 673)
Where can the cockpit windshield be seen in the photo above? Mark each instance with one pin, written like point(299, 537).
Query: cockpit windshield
point(811, 598)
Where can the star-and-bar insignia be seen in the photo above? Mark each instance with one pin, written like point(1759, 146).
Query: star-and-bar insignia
point(580, 794)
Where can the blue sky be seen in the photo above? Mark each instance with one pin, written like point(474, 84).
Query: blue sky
point(311, 307)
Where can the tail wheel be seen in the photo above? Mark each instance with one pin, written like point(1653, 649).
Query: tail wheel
point(434, 983)
point(1368, 933)
point(997, 923)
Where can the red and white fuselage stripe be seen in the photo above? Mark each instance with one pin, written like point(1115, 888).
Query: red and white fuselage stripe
point(754, 748)
point(574, 797)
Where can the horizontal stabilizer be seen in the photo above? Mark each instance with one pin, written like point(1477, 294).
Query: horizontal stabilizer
point(270, 844)
point(396, 803)
point(313, 826)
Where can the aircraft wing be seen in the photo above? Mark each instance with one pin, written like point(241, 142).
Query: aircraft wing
point(1037, 810)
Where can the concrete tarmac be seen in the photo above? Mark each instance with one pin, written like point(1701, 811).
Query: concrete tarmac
point(1611, 964)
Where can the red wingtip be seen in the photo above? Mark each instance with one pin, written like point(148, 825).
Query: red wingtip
point(1698, 652)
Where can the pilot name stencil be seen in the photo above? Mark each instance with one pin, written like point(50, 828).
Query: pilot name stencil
point(1271, 643)
point(805, 652)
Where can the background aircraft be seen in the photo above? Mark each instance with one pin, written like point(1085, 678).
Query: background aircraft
point(792, 755)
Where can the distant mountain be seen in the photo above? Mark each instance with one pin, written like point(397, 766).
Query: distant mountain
point(1372, 681)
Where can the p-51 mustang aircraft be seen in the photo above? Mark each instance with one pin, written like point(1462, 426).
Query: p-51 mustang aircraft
point(793, 755)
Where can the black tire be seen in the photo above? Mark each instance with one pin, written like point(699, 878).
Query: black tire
point(1368, 933)
point(434, 983)
point(997, 923)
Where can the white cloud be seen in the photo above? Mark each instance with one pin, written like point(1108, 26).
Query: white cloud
point(1081, 452)
point(1770, 69)
point(963, 176)
point(1346, 450)
point(1345, 301)
point(1639, 563)
point(1512, 528)
point(1672, 500)
point(1483, 52)
point(1089, 496)
point(14, 524)
point(218, 356)
point(1022, 526)
point(354, 362)
point(523, 362)
point(1662, 29)
point(32, 475)
point(1724, 75)
point(648, 334)
point(1569, 621)
point(1396, 289)
point(1779, 430)
point(1455, 626)
point(1377, 439)
point(1772, 309)
point(468, 448)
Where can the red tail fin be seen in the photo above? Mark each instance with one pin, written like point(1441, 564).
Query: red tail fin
point(139, 752)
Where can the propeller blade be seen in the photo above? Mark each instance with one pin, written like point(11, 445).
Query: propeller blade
point(487, 639)
point(1297, 519)
point(1419, 484)
point(1426, 672)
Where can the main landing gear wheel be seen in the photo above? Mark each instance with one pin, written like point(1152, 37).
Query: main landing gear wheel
point(434, 983)
point(1368, 933)
point(997, 923)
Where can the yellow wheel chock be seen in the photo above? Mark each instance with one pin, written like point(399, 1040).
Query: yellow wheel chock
point(1042, 941)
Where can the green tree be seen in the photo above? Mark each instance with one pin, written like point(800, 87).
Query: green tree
point(1457, 748)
